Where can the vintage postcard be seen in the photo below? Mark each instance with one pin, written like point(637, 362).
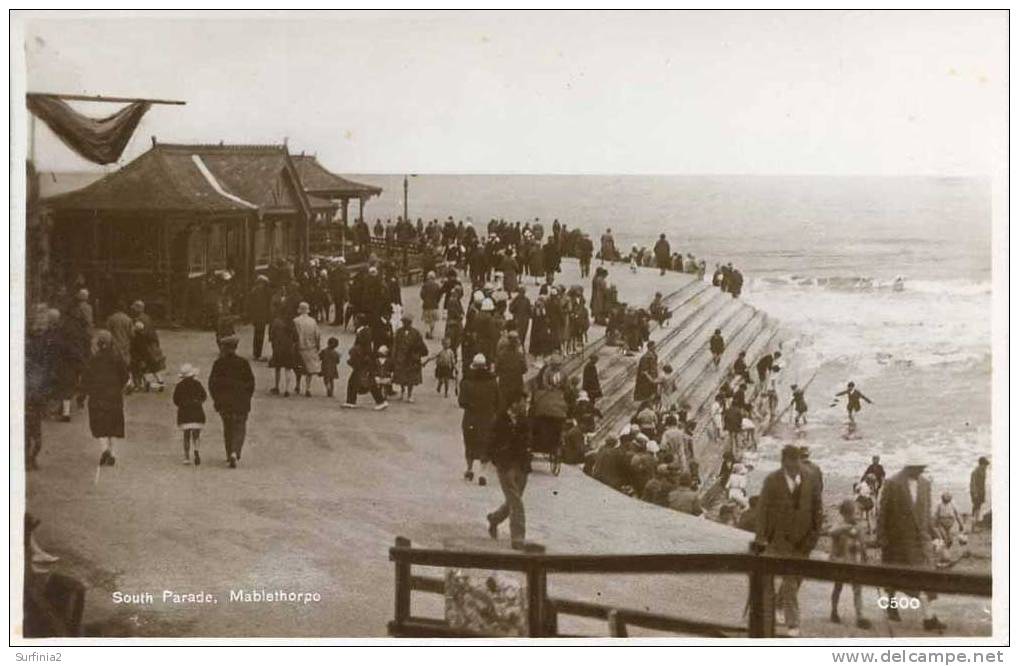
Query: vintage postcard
point(669, 326)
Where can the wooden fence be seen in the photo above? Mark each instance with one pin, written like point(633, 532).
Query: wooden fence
point(543, 611)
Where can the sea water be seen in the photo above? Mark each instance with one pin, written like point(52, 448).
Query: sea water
point(823, 255)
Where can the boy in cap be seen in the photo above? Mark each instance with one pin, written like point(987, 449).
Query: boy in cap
point(231, 384)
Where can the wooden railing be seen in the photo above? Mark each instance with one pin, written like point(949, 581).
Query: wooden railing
point(543, 612)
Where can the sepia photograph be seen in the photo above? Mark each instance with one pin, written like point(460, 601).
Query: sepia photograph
point(531, 328)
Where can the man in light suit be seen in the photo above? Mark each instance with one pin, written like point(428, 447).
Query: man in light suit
point(905, 530)
point(789, 521)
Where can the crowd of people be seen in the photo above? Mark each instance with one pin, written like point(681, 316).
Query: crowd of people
point(474, 300)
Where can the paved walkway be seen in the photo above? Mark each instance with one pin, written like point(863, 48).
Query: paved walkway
point(319, 497)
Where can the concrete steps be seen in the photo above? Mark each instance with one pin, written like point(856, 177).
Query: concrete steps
point(675, 300)
point(618, 376)
point(676, 349)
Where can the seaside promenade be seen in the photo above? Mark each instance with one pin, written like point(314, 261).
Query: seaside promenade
point(319, 498)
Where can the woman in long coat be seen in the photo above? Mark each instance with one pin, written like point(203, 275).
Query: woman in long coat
point(509, 274)
point(308, 344)
point(408, 350)
point(104, 380)
point(479, 398)
point(283, 338)
point(537, 262)
point(541, 332)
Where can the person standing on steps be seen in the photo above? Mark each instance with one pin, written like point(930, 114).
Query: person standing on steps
point(905, 530)
point(608, 247)
point(591, 384)
point(663, 254)
point(717, 347)
point(646, 384)
point(510, 451)
point(789, 522)
point(231, 385)
point(853, 397)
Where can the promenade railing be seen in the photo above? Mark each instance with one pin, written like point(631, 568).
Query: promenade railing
point(543, 612)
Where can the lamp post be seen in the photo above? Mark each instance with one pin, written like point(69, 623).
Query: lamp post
point(406, 218)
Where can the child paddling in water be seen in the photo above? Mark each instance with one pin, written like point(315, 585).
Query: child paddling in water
point(799, 403)
point(853, 397)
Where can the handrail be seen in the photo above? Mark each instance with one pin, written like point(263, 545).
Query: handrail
point(761, 570)
point(660, 563)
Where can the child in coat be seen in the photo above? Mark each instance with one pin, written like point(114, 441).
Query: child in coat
point(188, 396)
point(384, 370)
point(445, 368)
point(330, 359)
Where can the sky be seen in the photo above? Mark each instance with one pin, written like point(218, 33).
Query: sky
point(819, 92)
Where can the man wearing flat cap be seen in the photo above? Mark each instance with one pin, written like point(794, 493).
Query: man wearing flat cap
point(231, 385)
point(789, 523)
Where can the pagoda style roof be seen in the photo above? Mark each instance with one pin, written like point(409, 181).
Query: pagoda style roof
point(204, 178)
point(324, 183)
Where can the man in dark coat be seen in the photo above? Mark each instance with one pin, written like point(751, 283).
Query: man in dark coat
point(551, 257)
point(510, 366)
point(905, 530)
point(520, 308)
point(260, 313)
point(663, 254)
point(339, 279)
point(645, 387)
point(585, 250)
point(479, 398)
point(789, 523)
point(431, 293)
point(512, 458)
point(231, 384)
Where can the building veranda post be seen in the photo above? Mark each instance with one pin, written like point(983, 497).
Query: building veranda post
point(171, 225)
